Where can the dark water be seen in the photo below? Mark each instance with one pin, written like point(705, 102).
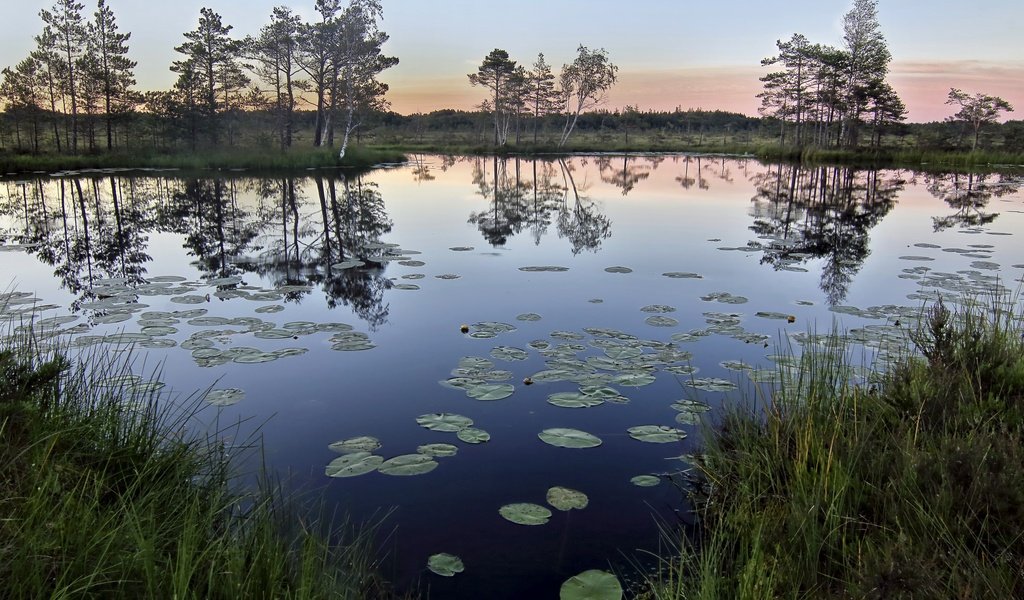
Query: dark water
point(861, 249)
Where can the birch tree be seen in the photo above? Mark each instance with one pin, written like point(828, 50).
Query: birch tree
point(584, 85)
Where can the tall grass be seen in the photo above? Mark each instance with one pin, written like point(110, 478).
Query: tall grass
point(106, 495)
point(240, 158)
point(911, 488)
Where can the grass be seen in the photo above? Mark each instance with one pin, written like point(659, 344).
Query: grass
point(909, 488)
point(241, 158)
point(106, 496)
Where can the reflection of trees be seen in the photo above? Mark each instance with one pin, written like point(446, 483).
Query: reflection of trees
point(217, 230)
point(687, 179)
point(625, 176)
point(87, 229)
point(517, 203)
point(352, 220)
point(821, 213)
point(969, 194)
point(582, 223)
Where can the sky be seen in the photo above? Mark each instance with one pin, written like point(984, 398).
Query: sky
point(670, 53)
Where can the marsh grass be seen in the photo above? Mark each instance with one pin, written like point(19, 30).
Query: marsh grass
point(909, 488)
point(106, 494)
point(240, 158)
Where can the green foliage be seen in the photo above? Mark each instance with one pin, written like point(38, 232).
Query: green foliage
point(913, 487)
point(105, 495)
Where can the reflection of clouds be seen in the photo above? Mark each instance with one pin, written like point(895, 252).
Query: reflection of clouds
point(924, 85)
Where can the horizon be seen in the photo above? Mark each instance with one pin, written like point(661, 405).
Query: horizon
point(678, 57)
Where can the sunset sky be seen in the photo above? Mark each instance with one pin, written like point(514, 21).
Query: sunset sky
point(670, 52)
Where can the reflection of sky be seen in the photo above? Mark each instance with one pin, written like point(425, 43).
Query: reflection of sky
point(308, 402)
point(688, 54)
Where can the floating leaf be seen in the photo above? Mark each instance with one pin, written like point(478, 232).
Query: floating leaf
point(225, 397)
point(658, 308)
point(564, 498)
point(712, 384)
point(681, 275)
point(445, 565)
point(363, 443)
point(591, 585)
point(618, 270)
point(190, 299)
point(656, 434)
point(660, 321)
point(272, 308)
point(449, 422)
point(574, 400)
point(408, 464)
point(544, 268)
point(634, 379)
point(491, 391)
point(569, 438)
point(473, 435)
point(461, 248)
point(351, 465)
point(448, 276)
point(406, 286)
point(528, 317)
point(509, 353)
point(525, 513)
point(440, 450)
point(411, 263)
point(645, 480)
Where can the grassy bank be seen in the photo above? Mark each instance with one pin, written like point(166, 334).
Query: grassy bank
point(241, 158)
point(105, 496)
point(911, 488)
point(893, 153)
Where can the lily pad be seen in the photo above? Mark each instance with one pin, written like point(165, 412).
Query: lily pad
point(351, 465)
point(618, 270)
point(564, 498)
point(525, 513)
point(445, 565)
point(363, 443)
point(491, 391)
point(564, 437)
point(658, 308)
point(440, 450)
point(544, 269)
point(574, 400)
point(712, 384)
point(473, 435)
point(449, 422)
point(461, 248)
point(656, 434)
point(591, 585)
point(682, 275)
point(661, 321)
point(408, 464)
point(509, 353)
point(645, 480)
point(448, 276)
point(225, 397)
point(528, 317)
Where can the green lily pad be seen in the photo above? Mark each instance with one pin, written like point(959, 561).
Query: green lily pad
point(682, 275)
point(190, 299)
point(509, 353)
point(363, 443)
point(528, 317)
point(591, 585)
point(491, 391)
point(544, 269)
point(656, 434)
point(440, 450)
point(406, 286)
point(225, 397)
point(618, 270)
point(445, 565)
point(351, 465)
point(573, 400)
point(658, 308)
point(564, 437)
point(461, 248)
point(525, 513)
point(712, 384)
point(645, 480)
point(473, 435)
point(408, 464)
point(411, 263)
point(661, 321)
point(634, 379)
point(449, 422)
point(564, 498)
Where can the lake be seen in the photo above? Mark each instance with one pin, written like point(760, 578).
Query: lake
point(639, 296)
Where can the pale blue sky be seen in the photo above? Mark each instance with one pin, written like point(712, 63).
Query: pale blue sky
point(691, 54)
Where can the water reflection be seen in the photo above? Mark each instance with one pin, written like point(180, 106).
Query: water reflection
point(826, 213)
point(969, 194)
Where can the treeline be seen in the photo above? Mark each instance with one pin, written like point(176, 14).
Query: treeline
point(75, 92)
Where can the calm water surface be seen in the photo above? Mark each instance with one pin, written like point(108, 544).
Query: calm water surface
point(443, 242)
